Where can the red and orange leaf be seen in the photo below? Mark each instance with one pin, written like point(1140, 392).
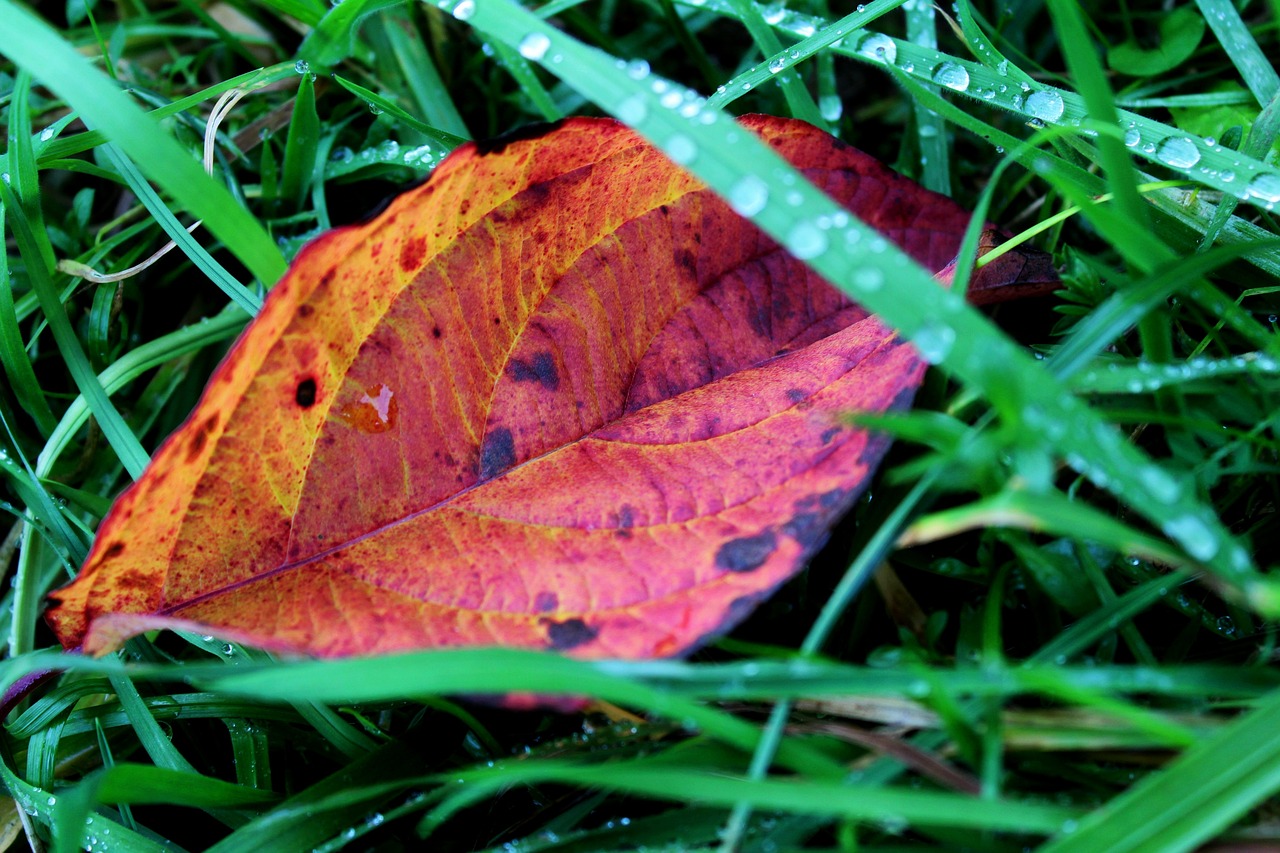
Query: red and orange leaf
point(559, 396)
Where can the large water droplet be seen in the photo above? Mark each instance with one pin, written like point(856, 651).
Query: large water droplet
point(868, 279)
point(1193, 534)
point(302, 66)
point(749, 196)
point(534, 46)
point(681, 149)
point(1132, 137)
point(464, 10)
point(1179, 152)
point(1045, 105)
point(777, 64)
point(831, 107)
point(637, 69)
point(632, 111)
point(806, 240)
point(878, 46)
point(1265, 187)
point(951, 75)
point(1162, 487)
point(934, 341)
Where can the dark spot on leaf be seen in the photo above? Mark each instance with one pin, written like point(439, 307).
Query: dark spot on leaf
point(305, 310)
point(498, 144)
point(546, 602)
point(413, 253)
point(569, 634)
point(687, 260)
point(795, 395)
point(806, 528)
point(435, 332)
point(201, 438)
point(830, 434)
point(747, 553)
point(541, 369)
point(497, 454)
point(497, 321)
point(664, 208)
point(832, 499)
point(115, 549)
point(305, 395)
point(626, 516)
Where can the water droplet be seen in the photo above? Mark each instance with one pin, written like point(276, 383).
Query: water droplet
point(1157, 481)
point(749, 196)
point(681, 149)
point(1045, 104)
point(777, 64)
point(934, 341)
point(373, 108)
point(1226, 625)
point(951, 75)
point(534, 46)
point(1192, 533)
point(464, 10)
point(341, 154)
point(632, 111)
point(1265, 187)
point(879, 46)
point(46, 134)
point(1179, 152)
point(637, 69)
point(806, 240)
point(1132, 137)
point(1003, 68)
point(774, 13)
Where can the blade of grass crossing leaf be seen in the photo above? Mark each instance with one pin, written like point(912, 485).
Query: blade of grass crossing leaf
point(1213, 783)
point(931, 130)
point(300, 145)
point(237, 292)
point(33, 45)
point(855, 258)
point(1241, 48)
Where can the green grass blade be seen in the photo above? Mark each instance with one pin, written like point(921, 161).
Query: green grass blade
point(33, 45)
point(300, 144)
point(1241, 48)
point(799, 101)
point(931, 129)
point(1212, 784)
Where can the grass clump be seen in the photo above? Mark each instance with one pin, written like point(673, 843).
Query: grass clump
point(1058, 618)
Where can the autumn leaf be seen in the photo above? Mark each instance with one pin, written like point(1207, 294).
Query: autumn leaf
point(560, 396)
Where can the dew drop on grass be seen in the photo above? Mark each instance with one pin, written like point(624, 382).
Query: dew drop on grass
point(1193, 534)
point(806, 240)
point(1179, 152)
point(1265, 187)
point(637, 69)
point(464, 10)
point(831, 107)
point(1132, 137)
point(1159, 484)
point(777, 64)
point(632, 111)
point(749, 196)
point(951, 75)
point(934, 341)
point(878, 46)
point(1045, 105)
point(681, 149)
point(534, 46)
